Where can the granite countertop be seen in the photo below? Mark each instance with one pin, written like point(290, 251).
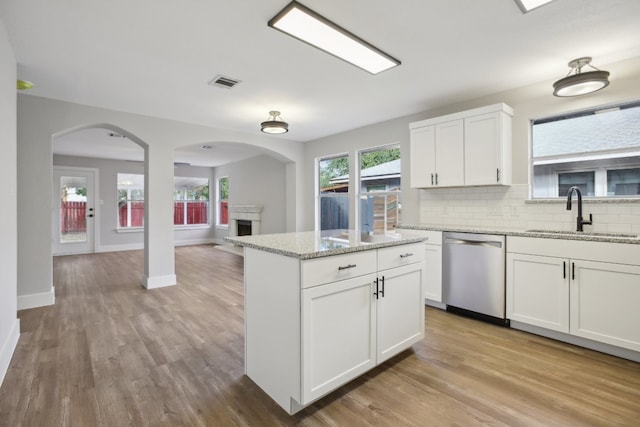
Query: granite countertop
point(310, 244)
point(545, 234)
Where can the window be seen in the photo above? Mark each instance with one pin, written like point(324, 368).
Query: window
point(380, 179)
point(597, 150)
point(333, 193)
point(190, 201)
point(130, 200)
point(222, 200)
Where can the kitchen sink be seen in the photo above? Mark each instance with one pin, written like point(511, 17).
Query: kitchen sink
point(585, 233)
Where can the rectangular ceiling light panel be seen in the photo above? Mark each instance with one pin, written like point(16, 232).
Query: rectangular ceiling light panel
point(529, 5)
point(304, 24)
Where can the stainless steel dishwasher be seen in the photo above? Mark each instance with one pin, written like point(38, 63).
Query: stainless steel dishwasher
point(473, 275)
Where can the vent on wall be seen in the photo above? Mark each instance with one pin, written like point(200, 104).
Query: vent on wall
point(223, 81)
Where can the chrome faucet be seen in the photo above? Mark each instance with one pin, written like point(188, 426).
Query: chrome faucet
point(579, 220)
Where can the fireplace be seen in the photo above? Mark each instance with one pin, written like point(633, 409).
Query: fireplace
point(243, 227)
point(244, 220)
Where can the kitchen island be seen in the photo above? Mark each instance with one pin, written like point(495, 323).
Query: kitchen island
point(321, 310)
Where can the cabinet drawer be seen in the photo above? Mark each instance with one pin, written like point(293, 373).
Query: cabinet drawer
point(396, 256)
point(338, 267)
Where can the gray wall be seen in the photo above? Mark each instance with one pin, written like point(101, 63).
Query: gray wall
point(9, 324)
point(108, 238)
point(260, 180)
point(529, 102)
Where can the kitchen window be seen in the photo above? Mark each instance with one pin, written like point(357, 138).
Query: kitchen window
point(222, 201)
point(333, 193)
point(379, 190)
point(597, 150)
point(190, 201)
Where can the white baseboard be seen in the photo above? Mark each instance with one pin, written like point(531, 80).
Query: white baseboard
point(37, 300)
point(8, 347)
point(193, 242)
point(120, 248)
point(159, 281)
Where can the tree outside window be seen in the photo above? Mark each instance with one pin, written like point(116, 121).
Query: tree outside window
point(223, 201)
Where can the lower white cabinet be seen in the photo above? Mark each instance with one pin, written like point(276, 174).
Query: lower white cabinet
point(538, 291)
point(348, 327)
point(583, 288)
point(605, 303)
point(336, 317)
point(326, 321)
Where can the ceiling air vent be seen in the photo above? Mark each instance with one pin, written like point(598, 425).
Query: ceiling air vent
point(223, 81)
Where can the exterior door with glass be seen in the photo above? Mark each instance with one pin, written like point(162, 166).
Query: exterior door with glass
point(73, 211)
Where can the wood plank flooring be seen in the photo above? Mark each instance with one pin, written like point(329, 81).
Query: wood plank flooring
point(110, 353)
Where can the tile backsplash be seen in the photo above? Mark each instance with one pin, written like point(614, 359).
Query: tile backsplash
point(508, 208)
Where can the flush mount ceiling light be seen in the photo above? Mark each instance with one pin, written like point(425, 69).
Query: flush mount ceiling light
point(274, 125)
point(579, 83)
point(306, 25)
point(529, 5)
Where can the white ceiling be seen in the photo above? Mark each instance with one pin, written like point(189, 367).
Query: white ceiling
point(155, 57)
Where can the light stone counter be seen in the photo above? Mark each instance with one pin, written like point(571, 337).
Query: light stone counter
point(310, 244)
point(544, 234)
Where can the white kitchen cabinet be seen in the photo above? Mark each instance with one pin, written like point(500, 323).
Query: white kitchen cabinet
point(584, 288)
point(467, 148)
point(312, 325)
point(400, 310)
point(432, 283)
point(538, 291)
point(605, 300)
point(437, 155)
point(487, 149)
point(338, 334)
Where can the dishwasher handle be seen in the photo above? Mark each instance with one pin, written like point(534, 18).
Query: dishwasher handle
point(494, 243)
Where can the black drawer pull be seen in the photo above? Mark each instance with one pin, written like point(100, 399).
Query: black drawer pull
point(344, 267)
point(407, 255)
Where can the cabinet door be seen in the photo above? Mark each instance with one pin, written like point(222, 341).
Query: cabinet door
point(422, 158)
point(538, 291)
point(450, 153)
point(338, 334)
point(433, 272)
point(605, 303)
point(400, 317)
point(482, 149)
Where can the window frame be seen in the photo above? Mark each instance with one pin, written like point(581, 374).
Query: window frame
point(220, 201)
point(128, 201)
point(319, 195)
point(186, 201)
point(361, 194)
point(598, 161)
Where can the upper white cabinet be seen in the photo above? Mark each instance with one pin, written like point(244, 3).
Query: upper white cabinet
point(467, 148)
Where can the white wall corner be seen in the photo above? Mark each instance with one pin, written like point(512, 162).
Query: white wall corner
point(159, 281)
point(37, 300)
point(7, 349)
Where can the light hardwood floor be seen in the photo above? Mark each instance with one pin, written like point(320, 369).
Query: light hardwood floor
point(110, 353)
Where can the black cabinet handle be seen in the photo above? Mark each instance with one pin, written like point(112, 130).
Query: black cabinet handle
point(376, 292)
point(497, 174)
point(564, 269)
point(406, 255)
point(573, 271)
point(344, 267)
point(436, 178)
point(431, 179)
point(382, 291)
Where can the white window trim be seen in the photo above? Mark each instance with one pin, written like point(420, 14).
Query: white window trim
point(218, 203)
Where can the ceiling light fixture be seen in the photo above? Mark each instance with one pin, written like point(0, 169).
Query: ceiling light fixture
point(275, 124)
point(529, 5)
point(579, 83)
point(306, 25)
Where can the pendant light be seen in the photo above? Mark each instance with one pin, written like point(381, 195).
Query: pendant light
point(274, 124)
point(579, 83)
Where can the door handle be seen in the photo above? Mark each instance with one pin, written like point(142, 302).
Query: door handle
point(90, 216)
